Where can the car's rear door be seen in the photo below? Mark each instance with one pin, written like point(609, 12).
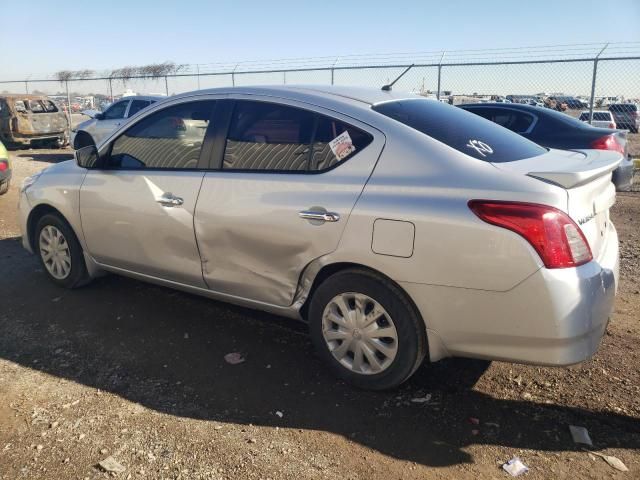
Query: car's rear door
point(282, 194)
point(137, 212)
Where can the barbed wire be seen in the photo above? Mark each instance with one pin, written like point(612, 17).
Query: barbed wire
point(556, 52)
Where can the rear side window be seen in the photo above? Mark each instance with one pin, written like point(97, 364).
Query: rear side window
point(466, 132)
point(20, 106)
point(278, 138)
point(137, 105)
point(169, 139)
point(514, 120)
point(35, 106)
point(49, 106)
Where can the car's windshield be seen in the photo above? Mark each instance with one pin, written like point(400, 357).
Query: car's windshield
point(459, 129)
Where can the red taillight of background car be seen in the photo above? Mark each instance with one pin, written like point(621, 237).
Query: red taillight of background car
point(612, 125)
point(608, 142)
point(4, 165)
point(551, 232)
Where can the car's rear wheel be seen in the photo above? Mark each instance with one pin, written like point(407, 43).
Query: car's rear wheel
point(83, 139)
point(4, 187)
point(366, 330)
point(60, 252)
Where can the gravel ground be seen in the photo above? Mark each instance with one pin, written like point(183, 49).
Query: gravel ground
point(136, 372)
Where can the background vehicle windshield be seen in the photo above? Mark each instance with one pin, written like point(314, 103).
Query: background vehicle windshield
point(464, 131)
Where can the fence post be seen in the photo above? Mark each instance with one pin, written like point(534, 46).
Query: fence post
point(284, 78)
point(26, 86)
point(110, 92)
point(333, 68)
point(593, 83)
point(198, 74)
point(68, 102)
point(440, 75)
point(166, 85)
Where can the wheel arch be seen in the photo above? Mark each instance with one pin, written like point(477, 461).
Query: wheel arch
point(332, 268)
point(36, 214)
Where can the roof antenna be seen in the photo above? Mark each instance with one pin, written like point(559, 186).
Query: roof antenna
point(387, 87)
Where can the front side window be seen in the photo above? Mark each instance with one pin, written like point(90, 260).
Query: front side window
point(116, 111)
point(136, 106)
point(459, 129)
point(20, 106)
point(168, 139)
point(278, 138)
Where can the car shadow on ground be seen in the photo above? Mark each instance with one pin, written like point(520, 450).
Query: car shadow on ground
point(165, 350)
point(46, 157)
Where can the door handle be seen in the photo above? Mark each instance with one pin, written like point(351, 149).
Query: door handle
point(170, 200)
point(321, 216)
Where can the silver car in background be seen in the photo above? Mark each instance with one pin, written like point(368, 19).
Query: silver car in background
point(398, 227)
point(102, 124)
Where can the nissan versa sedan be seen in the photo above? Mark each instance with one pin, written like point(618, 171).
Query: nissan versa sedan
point(398, 227)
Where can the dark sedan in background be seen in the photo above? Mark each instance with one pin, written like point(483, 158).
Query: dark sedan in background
point(553, 129)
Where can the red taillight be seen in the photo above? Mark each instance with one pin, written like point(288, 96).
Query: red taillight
point(4, 165)
point(612, 125)
point(608, 142)
point(551, 232)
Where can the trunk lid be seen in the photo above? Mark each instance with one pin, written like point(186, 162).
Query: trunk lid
point(586, 177)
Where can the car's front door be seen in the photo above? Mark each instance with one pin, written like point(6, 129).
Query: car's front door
point(289, 177)
point(111, 119)
point(137, 212)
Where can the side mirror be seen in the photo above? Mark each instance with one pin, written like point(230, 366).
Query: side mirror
point(99, 116)
point(87, 157)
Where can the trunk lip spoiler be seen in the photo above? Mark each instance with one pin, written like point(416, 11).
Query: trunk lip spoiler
point(583, 175)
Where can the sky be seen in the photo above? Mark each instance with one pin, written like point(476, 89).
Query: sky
point(43, 36)
point(109, 34)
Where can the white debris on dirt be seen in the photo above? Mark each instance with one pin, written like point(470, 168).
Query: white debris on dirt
point(580, 435)
point(110, 464)
point(515, 467)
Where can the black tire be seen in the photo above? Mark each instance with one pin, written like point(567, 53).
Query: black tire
point(411, 331)
point(78, 276)
point(83, 139)
point(4, 187)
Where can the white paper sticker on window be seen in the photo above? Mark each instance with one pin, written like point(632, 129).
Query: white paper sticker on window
point(342, 146)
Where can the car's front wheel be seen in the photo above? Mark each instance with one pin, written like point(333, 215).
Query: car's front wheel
point(60, 252)
point(366, 330)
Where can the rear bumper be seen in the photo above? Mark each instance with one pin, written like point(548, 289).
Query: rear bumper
point(622, 176)
point(28, 139)
point(554, 317)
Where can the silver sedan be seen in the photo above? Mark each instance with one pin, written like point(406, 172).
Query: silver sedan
point(398, 227)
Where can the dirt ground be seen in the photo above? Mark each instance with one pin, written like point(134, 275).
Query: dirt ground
point(134, 371)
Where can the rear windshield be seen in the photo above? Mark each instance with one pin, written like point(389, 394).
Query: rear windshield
point(459, 129)
point(600, 116)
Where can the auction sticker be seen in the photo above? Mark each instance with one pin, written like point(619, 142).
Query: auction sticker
point(342, 146)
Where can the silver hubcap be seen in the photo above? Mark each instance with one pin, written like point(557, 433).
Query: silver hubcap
point(360, 333)
point(55, 252)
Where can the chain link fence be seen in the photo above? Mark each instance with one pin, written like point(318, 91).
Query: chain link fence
point(570, 78)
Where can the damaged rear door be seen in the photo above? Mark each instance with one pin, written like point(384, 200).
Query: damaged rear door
point(41, 118)
point(284, 181)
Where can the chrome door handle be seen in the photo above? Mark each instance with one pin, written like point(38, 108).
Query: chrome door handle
point(321, 216)
point(170, 200)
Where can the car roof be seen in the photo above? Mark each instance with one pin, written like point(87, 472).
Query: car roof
point(362, 95)
point(520, 106)
point(143, 97)
point(23, 96)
